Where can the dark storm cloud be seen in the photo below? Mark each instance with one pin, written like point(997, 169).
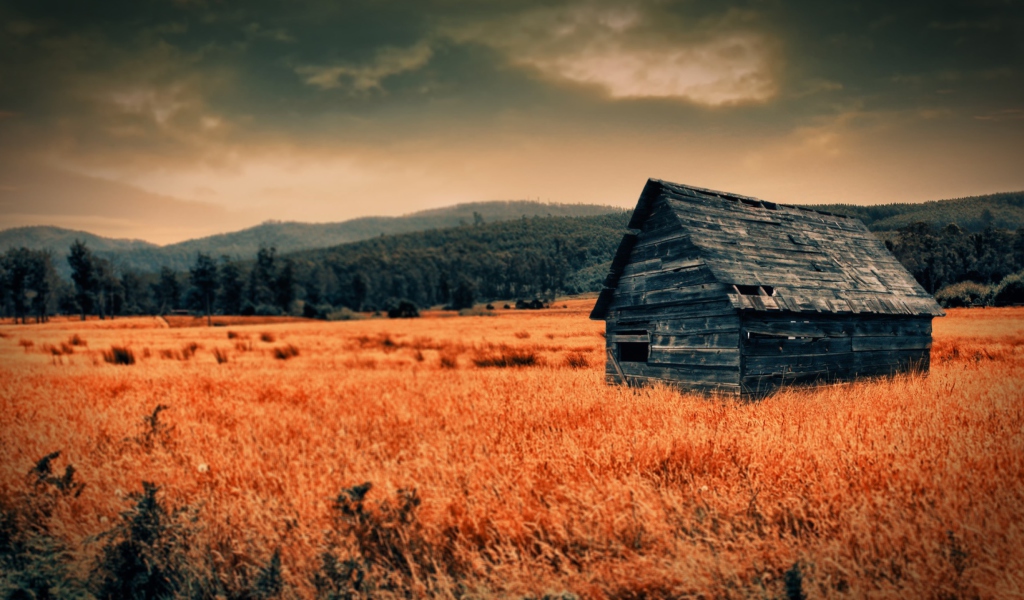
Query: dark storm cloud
point(141, 71)
point(132, 91)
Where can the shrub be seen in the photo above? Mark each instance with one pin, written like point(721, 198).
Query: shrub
point(220, 355)
point(76, 340)
point(285, 352)
point(34, 562)
point(1010, 290)
point(343, 314)
point(387, 549)
point(144, 555)
point(523, 335)
point(404, 310)
point(965, 293)
point(316, 311)
point(476, 312)
point(233, 335)
point(531, 305)
point(119, 355)
point(268, 337)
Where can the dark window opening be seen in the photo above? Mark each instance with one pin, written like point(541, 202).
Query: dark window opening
point(755, 290)
point(634, 351)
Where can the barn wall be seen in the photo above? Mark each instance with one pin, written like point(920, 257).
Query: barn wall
point(667, 292)
point(802, 348)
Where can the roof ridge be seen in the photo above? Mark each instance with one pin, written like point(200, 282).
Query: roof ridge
point(732, 196)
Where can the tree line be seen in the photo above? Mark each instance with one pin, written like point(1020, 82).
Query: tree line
point(527, 259)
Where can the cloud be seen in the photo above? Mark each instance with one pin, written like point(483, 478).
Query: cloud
point(633, 53)
point(388, 61)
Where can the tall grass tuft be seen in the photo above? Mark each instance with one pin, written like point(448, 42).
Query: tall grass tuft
point(76, 340)
point(221, 355)
point(507, 357)
point(577, 360)
point(285, 352)
point(387, 548)
point(119, 355)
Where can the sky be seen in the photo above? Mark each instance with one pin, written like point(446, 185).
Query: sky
point(168, 120)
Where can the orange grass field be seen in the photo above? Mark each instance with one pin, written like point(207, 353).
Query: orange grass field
point(531, 479)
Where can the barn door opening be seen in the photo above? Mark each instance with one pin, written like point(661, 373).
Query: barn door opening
point(633, 345)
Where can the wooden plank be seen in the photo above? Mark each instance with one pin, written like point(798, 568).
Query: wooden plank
point(642, 339)
point(683, 295)
point(702, 340)
point(669, 279)
point(836, 325)
point(707, 375)
point(710, 308)
point(713, 357)
point(699, 325)
point(836, 365)
point(618, 368)
point(892, 342)
point(784, 346)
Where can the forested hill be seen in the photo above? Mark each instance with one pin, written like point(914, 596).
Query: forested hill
point(973, 214)
point(141, 256)
point(522, 258)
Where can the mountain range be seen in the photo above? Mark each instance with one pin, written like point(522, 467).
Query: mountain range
point(973, 214)
point(286, 236)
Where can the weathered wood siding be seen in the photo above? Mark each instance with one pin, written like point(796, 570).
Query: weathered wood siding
point(667, 291)
point(779, 349)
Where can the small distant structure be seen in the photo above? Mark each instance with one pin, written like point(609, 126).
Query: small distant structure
point(727, 293)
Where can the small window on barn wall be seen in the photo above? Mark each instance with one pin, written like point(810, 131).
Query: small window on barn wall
point(633, 346)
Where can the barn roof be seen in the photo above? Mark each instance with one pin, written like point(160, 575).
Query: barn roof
point(780, 257)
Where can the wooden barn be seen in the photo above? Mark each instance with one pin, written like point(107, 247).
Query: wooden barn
point(720, 292)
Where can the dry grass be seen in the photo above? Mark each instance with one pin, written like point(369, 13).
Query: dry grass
point(537, 479)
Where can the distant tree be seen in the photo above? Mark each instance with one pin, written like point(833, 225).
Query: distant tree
point(263, 277)
point(135, 295)
point(4, 292)
point(358, 292)
point(82, 264)
point(40, 278)
point(203, 277)
point(17, 262)
point(284, 286)
point(462, 297)
point(167, 290)
point(231, 287)
point(109, 295)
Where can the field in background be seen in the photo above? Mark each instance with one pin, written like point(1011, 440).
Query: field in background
point(531, 477)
